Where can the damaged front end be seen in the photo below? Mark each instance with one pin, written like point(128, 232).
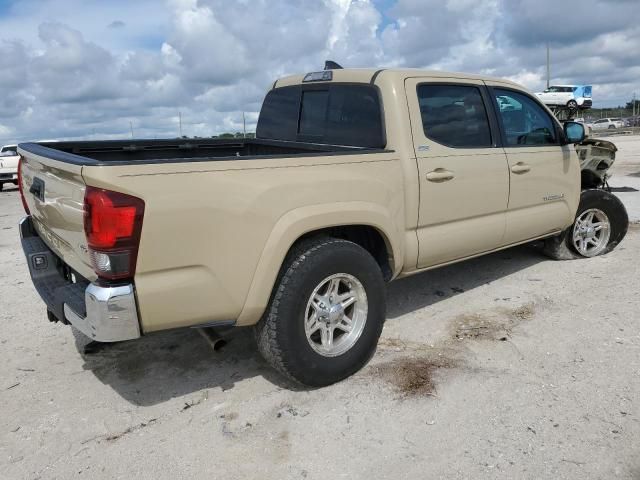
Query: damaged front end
point(596, 158)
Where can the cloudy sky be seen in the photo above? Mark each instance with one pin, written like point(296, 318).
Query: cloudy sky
point(93, 69)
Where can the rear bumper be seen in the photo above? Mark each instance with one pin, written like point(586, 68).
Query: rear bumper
point(102, 313)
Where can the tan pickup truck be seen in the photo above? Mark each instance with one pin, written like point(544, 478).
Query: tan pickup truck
point(356, 177)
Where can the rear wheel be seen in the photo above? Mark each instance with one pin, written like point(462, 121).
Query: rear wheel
point(326, 312)
point(1, 186)
point(601, 223)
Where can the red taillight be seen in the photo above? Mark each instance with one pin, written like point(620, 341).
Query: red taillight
point(24, 202)
point(112, 225)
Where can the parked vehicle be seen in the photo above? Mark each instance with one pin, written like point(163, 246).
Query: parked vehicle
point(8, 165)
point(571, 96)
point(607, 124)
point(9, 149)
point(356, 178)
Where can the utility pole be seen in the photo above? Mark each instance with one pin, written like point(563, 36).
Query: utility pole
point(548, 67)
point(131, 127)
point(244, 126)
point(180, 121)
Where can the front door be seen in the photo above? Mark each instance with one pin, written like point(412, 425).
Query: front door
point(463, 174)
point(544, 174)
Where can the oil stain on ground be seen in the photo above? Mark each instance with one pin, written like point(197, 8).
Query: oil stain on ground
point(413, 376)
point(491, 326)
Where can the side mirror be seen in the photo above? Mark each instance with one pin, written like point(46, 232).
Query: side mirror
point(573, 132)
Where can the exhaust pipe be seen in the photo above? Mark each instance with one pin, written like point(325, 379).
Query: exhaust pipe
point(212, 338)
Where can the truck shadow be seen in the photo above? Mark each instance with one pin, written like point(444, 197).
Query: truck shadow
point(162, 366)
point(425, 289)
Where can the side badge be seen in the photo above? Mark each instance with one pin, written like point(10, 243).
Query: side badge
point(423, 148)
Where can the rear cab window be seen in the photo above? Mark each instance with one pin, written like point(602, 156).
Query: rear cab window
point(333, 114)
point(454, 115)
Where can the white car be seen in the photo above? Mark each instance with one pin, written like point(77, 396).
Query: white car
point(570, 96)
point(9, 165)
point(607, 123)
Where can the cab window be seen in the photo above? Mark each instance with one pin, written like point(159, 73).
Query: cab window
point(523, 120)
point(454, 115)
point(334, 114)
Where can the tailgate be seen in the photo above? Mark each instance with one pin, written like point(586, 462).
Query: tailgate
point(54, 192)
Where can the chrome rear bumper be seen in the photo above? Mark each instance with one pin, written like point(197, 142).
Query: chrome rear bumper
point(111, 314)
point(102, 313)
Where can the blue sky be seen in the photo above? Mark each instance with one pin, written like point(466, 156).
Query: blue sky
point(87, 68)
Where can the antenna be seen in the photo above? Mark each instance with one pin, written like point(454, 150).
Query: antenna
point(131, 126)
point(244, 126)
point(180, 121)
point(331, 65)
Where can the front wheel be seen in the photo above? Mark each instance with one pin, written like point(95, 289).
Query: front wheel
point(572, 105)
point(326, 312)
point(600, 225)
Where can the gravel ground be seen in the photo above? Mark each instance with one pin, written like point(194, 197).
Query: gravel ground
point(508, 366)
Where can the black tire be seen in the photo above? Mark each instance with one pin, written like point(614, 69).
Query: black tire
point(561, 246)
point(1, 186)
point(572, 105)
point(611, 127)
point(280, 334)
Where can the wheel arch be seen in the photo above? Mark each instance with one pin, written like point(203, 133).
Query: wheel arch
point(369, 225)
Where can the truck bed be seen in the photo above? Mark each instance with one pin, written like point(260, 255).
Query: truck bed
point(114, 152)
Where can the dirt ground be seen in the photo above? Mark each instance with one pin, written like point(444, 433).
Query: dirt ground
point(509, 366)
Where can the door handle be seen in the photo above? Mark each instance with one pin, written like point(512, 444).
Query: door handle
point(520, 167)
point(439, 175)
point(37, 189)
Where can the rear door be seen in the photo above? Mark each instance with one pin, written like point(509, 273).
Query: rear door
point(544, 175)
point(54, 192)
point(463, 174)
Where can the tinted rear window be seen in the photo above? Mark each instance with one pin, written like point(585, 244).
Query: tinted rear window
point(279, 115)
point(313, 113)
point(332, 114)
point(454, 115)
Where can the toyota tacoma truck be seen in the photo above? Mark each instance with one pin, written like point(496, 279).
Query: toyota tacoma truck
point(356, 177)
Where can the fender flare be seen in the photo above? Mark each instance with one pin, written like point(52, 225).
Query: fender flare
point(300, 221)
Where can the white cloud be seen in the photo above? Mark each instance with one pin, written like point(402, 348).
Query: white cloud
point(86, 68)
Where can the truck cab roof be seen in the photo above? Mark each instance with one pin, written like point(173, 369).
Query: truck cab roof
point(381, 75)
